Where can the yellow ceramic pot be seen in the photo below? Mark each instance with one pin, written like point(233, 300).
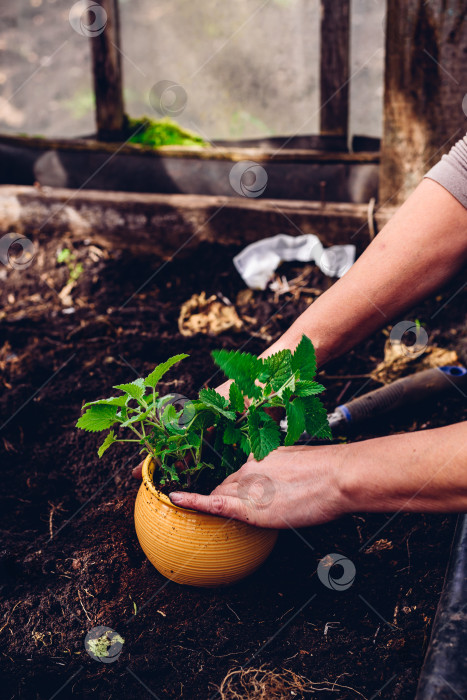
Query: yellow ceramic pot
point(195, 548)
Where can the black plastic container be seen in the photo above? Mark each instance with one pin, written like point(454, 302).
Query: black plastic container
point(444, 672)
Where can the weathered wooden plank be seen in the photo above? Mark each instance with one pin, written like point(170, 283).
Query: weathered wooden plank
point(425, 83)
point(280, 155)
point(107, 71)
point(334, 69)
point(171, 224)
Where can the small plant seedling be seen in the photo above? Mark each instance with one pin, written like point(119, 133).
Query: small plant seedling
point(101, 647)
point(176, 436)
point(75, 270)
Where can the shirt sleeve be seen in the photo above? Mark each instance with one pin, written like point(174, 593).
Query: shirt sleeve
point(451, 171)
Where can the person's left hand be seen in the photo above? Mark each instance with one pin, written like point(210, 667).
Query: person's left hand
point(292, 487)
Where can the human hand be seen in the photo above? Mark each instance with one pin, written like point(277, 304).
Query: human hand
point(292, 487)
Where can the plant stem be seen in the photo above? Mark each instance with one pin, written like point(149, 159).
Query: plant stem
point(257, 405)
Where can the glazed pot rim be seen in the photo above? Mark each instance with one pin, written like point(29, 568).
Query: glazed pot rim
point(147, 472)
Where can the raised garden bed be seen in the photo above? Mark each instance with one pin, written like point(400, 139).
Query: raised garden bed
point(73, 559)
point(311, 170)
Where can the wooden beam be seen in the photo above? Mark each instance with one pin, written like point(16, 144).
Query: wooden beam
point(334, 69)
point(263, 155)
point(425, 82)
point(166, 225)
point(107, 71)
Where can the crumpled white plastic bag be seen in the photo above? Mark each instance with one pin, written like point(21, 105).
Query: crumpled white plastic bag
point(258, 261)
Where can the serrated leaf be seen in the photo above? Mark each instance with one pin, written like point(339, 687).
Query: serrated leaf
point(202, 419)
point(113, 401)
point(237, 402)
point(245, 445)
point(295, 411)
point(136, 418)
point(172, 471)
point(304, 359)
point(278, 368)
point(278, 400)
point(97, 418)
point(109, 440)
point(242, 367)
point(316, 420)
point(232, 434)
point(264, 434)
point(288, 387)
point(193, 439)
point(211, 398)
point(157, 373)
point(171, 420)
point(308, 388)
point(134, 389)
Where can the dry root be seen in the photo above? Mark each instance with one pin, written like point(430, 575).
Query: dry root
point(209, 316)
point(265, 684)
point(400, 360)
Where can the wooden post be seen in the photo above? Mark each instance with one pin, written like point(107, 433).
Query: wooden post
point(334, 69)
point(107, 71)
point(425, 82)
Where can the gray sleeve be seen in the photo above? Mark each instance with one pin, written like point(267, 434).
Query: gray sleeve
point(451, 171)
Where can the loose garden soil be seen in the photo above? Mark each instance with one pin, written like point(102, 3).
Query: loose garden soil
point(70, 559)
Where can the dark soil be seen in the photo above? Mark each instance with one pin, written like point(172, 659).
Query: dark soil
point(181, 642)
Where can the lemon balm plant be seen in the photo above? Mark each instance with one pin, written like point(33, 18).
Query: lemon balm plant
point(186, 546)
point(174, 435)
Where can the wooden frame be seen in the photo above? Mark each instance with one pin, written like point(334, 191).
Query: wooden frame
point(165, 225)
point(334, 67)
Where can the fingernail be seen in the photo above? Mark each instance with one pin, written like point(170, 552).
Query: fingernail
point(176, 497)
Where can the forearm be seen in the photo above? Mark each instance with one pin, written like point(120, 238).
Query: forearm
point(423, 245)
point(419, 472)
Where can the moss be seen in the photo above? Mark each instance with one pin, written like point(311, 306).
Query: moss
point(162, 133)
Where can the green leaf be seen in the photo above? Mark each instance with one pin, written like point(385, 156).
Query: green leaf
point(211, 398)
point(136, 418)
point(192, 439)
point(316, 420)
point(202, 418)
point(245, 445)
point(264, 434)
point(171, 420)
point(304, 359)
point(157, 373)
point(237, 402)
point(288, 387)
point(97, 418)
point(242, 367)
point(134, 389)
point(172, 471)
point(113, 401)
point(308, 388)
point(295, 420)
point(232, 434)
point(109, 440)
point(278, 368)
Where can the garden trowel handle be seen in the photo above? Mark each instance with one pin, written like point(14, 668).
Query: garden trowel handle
point(402, 392)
